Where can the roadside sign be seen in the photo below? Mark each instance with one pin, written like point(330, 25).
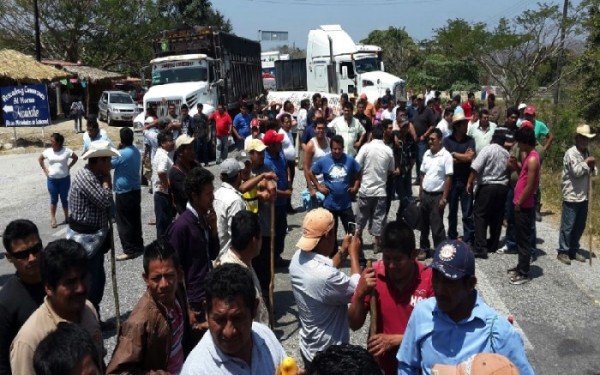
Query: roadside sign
point(25, 106)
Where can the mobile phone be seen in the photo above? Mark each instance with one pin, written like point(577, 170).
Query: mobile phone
point(351, 228)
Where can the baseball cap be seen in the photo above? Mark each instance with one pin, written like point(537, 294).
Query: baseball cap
point(454, 259)
point(254, 123)
point(183, 140)
point(271, 136)
point(231, 167)
point(529, 110)
point(255, 145)
point(522, 106)
point(479, 364)
point(316, 224)
point(526, 124)
point(585, 131)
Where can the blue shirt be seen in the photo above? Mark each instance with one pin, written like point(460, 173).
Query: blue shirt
point(241, 123)
point(432, 337)
point(127, 170)
point(279, 166)
point(337, 176)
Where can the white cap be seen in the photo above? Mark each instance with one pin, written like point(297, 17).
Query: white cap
point(522, 106)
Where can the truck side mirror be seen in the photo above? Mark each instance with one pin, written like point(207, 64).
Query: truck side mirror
point(344, 72)
point(382, 66)
point(219, 82)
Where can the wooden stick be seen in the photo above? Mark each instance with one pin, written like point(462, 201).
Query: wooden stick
point(113, 272)
point(272, 265)
point(372, 307)
point(590, 211)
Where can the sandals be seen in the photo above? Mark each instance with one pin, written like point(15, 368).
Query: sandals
point(519, 279)
point(53, 223)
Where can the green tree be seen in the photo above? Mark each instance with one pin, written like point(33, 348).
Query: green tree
point(400, 51)
point(192, 13)
point(294, 52)
point(589, 64)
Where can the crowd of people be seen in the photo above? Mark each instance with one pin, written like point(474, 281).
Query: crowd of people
point(208, 274)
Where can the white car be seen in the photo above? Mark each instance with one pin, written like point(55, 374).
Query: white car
point(117, 106)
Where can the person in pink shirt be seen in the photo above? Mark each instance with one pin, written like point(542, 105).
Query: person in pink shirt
point(524, 202)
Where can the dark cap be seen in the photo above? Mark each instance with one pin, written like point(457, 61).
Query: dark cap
point(454, 259)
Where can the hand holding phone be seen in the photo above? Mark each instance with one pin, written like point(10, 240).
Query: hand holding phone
point(351, 228)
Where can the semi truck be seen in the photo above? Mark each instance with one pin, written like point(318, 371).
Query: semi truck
point(335, 64)
point(202, 64)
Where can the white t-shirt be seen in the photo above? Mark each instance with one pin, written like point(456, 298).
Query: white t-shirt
point(445, 128)
point(162, 162)
point(436, 167)
point(58, 162)
point(287, 145)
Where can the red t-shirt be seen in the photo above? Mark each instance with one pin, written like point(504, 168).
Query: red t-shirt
point(222, 122)
point(467, 109)
point(394, 308)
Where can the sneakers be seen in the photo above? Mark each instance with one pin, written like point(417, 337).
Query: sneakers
point(564, 258)
point(578, 257)
point(519, 279)
point(506, 250)
point(127, 256)
point(512, 272)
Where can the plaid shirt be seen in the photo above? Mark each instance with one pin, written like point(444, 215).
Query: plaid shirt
point(88, 200)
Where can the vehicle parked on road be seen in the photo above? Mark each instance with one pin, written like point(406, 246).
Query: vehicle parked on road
point(116, 106)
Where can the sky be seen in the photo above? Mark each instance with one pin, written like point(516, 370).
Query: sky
point(359, 17)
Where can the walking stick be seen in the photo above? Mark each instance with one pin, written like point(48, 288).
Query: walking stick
point(372, 307)
point(590, 199)
point(113, 271)
point(272, 266)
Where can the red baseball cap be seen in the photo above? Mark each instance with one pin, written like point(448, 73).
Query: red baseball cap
point(254, 123)
point(529, 110)
point(526, 124)
point(271, 136)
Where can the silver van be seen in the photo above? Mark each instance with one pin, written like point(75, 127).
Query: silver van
point(116, 106)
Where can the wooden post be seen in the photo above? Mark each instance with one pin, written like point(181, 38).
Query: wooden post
point(590, 212)
point(272, 265)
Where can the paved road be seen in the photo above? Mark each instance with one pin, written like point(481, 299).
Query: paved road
point(558, 312)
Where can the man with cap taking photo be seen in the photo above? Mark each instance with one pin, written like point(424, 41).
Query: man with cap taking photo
point(184, 161)
point(228, 200)
point(578, 165)
point(456, 311)
point(322, 292)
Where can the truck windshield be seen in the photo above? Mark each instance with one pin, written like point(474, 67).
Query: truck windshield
point(366, 65)
point(161, 77)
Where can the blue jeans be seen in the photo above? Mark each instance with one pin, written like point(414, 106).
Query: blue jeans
point(572, 225)
point(59, 187)
point(459, 193)
point(421, 148)
point(163, 210)
point(222, 148)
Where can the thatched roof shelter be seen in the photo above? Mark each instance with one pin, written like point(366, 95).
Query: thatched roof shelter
point(18, 67)
point(92, 74)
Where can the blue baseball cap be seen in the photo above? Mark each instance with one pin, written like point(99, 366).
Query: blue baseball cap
point(454, 259)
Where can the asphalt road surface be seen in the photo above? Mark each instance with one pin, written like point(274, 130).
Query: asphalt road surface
point(557, 313)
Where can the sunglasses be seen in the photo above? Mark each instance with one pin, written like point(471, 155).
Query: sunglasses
point(35, 249)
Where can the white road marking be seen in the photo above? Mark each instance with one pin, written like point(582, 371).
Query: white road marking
point(493, 299)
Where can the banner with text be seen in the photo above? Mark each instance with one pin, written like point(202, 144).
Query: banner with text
point(25, 105)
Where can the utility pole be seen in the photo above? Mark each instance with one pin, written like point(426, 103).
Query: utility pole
point(561, 56)
point(38, 45)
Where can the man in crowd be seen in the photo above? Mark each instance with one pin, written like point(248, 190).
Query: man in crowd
point(455, 105)
point(322, 292)
point(63, 268)
point(445, 124)
point(245, 246)
point(400, 283)
point(235, 344)
point(201, 132)
point(195, 238)
point(350, 129)
point(241, 127)
point(389, 113)
point(490, 170)
point(228, 201)
point(341, 181)
point(128, 196)
point(316, 105)
point(578, 166)
point(469, 105)
point(343, 360)
point(436, 180)
point(404, 147)
point(524, 202)
point(184, 160)
point(23, 292)
point(462, 149)
point(174, 122)
point(90, 200)
point(482, 131)
point(377, 164)
point(93, 133)
point(456, 311)
point(161, 165)
point(223, 125)
point(493, 108)
point(424, 122)
point(157, 335)
point(364, 118)
point(185, 121)
point(275, 161)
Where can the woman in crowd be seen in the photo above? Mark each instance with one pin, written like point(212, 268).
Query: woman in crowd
point(57, 172)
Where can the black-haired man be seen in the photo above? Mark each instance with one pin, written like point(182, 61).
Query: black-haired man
point(401, 282)
point(201, 132)
point(93, 133)
point(157, 335)
point(63, 267)
point(162, 162)
point(343, 360)
point(236, 344)
point(23, 292)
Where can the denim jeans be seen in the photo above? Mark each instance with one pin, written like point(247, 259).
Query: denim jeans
point(163, 210)
point(59, 187)
point(222, 147)
point(572, 225)
point(459, 194)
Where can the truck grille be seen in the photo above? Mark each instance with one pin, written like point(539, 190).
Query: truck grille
point(162, 108)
